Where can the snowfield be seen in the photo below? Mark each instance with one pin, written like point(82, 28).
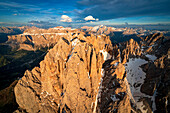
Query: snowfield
point(134, 80)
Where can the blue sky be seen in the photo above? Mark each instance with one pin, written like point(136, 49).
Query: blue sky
point(83, 12)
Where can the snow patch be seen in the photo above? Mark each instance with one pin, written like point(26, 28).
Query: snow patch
point(105, 54)
point(153, 100)
point(102, 72)
point(44, 34)
point(70, 56)
point(151, 57)
point(95, 28)
point(74, 42)
point(88, 75)
point(120, 56)
point(113, 97)
point(98, 96)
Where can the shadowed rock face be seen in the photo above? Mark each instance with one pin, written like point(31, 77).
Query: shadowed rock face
point(113, 96)
point(4, 31)
point(157, 71)
point(152, 43)
point(87, 74)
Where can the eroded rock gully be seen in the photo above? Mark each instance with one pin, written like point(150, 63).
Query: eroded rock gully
point(83, 74)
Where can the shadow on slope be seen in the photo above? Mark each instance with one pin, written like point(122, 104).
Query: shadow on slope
point(118, 37)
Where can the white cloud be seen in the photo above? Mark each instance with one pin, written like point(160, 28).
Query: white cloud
point(97, 19)
point(15, 14)
point(89, 18)
point(65, 18)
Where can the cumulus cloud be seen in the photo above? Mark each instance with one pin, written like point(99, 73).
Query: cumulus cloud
point(65, 18)
point(90, 18)
point(112, 9)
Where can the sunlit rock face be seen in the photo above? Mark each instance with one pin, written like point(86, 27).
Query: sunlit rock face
point(88, 74)
point(36, 38)
point(153, 42)
point(67, 79)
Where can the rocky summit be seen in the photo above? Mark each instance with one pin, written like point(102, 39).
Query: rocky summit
point(87, 73)
point(68, 78)
point(35, 38)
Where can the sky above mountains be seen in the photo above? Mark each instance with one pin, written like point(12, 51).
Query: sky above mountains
point(83, 12)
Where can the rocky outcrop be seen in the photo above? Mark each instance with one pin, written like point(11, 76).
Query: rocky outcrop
point(85, 73)
point(154, 88)
point(123, 51)
point(67, 79)
point(117, 35)
point(152, 42)
point(158, 79)
point(7, 99)
point(130, 31)
point(11, 30)
point(113, 96)
point(5, 31)
point(35, 38)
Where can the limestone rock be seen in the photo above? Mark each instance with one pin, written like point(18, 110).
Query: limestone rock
point(35, 38)
point(125, 50)
point(83, 72)
point(152, 42)
point(113, 95)
point(120, 70)
point(67, 79)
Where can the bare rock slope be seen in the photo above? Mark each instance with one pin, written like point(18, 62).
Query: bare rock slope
point(68, 78)
point(87, 74)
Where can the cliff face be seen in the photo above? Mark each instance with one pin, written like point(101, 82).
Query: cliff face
point(67, 79)
point(127, 49)
point(88, 74)
point(152, 42)
point(113, 96)
point(35, 38)
point(12, 30)
point(157, 71)
point(4, 31)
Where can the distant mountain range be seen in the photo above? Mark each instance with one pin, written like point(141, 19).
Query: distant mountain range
point(92, 69)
